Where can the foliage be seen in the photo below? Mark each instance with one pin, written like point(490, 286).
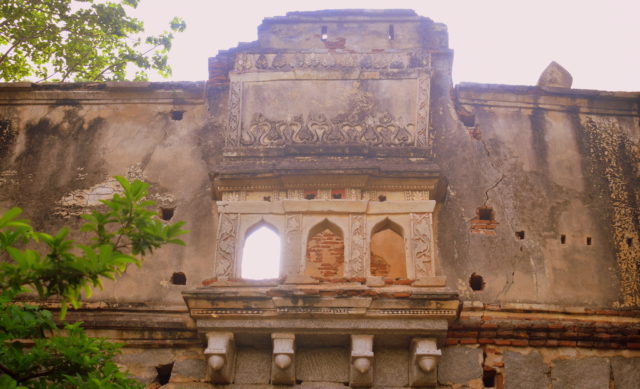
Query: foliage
point(34, 352)
point(80, 40)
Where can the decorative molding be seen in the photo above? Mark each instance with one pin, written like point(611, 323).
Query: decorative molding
point(226, 252)
point(422, 239)
point(353, 194)
point(361, 369)
point(357, 259)
point(235, 114)
point(412, 195)
point(381, 131)
point(247, 62)
point(221, 357)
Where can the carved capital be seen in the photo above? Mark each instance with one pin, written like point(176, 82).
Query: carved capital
point(221, 354)
point(283, 370)
point(361, 371)
point(423, 369)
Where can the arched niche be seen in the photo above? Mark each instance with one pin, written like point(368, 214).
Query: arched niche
point(324, 257)
point(388, 257)
point(261, 253)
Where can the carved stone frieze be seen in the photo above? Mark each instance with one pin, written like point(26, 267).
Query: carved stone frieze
point(356, 264)
point(422, 134)
point(235, 103)
point(246, 62)
point(422, 239)
point(382, 131)
point(227, 237)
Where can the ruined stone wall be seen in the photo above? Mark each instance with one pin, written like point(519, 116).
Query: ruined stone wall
point(538, 229)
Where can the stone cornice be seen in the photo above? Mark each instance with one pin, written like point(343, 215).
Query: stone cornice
point(93, 93)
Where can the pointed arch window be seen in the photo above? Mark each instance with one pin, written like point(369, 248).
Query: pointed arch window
point(261, 253)
point(325, 251)
point(387, 250)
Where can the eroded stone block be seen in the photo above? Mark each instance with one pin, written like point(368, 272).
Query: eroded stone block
point(587, 373)
point(626, 372)
point(525, 371)
point(253, 366)
point(322, 364)
point(459, 364)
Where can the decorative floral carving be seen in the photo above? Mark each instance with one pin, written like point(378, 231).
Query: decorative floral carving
point(421, 237)
point(385, 131)
point(423, 111)
point(235, 101)
point(358, 247)
point(225, 255)
point(286, 61)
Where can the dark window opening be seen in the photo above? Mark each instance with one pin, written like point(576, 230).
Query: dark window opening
point(266, 198)
point(476, 282)
point(323, 33)
point(178, 278)
point(520, 234)
point(338, 194)
point(489, 378)
point(629, 242)
point(310, 196)
point(563, 239)
point(382, 198)
point(166, 213)
point(164, 373)
point(588, 241)
point(485, 213)
point(176, 115)
point(391, 35)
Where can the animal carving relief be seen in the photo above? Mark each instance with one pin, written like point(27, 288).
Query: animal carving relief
point(225, 255)
point(421, 237)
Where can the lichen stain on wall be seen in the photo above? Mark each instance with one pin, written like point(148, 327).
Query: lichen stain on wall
point(614, 156)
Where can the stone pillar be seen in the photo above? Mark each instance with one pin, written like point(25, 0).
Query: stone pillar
point(423, 368)
point(361, 370)
point(221, 357)
point(283, 370)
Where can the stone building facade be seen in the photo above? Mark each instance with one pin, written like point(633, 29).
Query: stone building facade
point(431, 235)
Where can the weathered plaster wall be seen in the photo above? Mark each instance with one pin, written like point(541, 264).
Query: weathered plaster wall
point(560, 171)
point(65, 142)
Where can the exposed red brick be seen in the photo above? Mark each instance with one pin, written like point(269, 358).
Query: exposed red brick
point(401, 294)
point(520, 342)
point(487, 341)
point(502, 342)
point(450, 342)
point(468, 341)
point(567, 343)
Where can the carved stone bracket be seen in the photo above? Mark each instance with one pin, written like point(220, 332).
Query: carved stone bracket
point(423, 369)
point(361, 371)
point(221, 354)
point(283, 370)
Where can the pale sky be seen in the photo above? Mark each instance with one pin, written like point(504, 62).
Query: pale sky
point(501, 42)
